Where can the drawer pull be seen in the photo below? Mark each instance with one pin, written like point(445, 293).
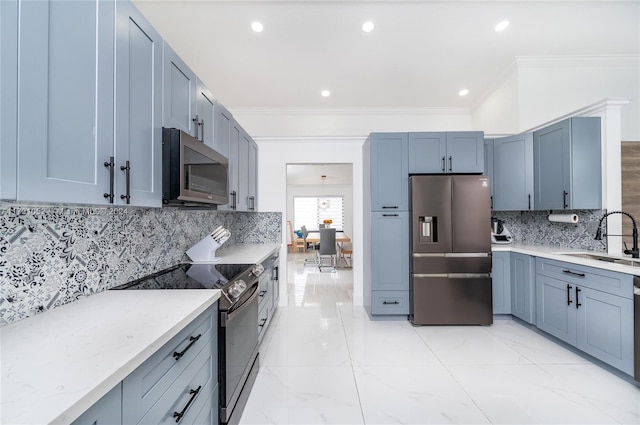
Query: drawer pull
point(194, 394)
point(193, 340)
point(390, 302)
point(569, 294)
point(577, 299)
point(262, 322)
point(573, 273)
point(262, 293)
point(387, 207)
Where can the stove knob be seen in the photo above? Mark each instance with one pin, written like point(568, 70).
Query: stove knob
point(257, 270)
point(237, 288)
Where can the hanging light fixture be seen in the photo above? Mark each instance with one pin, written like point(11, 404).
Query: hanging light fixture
point(324, 202)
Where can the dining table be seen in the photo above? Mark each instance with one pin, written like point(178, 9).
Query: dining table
point(314, 237)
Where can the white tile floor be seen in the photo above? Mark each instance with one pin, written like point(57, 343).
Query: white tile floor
point(324, 361)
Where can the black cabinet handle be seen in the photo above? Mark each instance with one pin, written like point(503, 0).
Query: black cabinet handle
point(443, 164)
point(111, 165)
point(450, 163)
point(262, 322)
point(564, 199)
point(195, 120)
point(202, 130)
point(389, 215)
point(573, 273)
point(262, 293)
point(233, 203)
point(387, 207)
point(252, 203)
point(577, 299)
point(529, 202)
point(390, 302)
point(569, 294)
point(491, 201)
point(275, 271)
point(193, 339)
point(194, 394)
point(127, 173)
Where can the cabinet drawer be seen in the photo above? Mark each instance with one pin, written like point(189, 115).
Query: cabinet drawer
point(264, 293)
point(389, 302)
point(264, 317)
point(614, 283)
point(200, 376)
point(145, 385)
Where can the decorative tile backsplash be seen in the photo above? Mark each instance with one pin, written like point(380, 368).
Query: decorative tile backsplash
point(50, 256)
point(533, 227)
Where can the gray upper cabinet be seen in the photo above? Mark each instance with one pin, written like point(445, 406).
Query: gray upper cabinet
point(243, 170)
point(253, 176)
point(205, 115)
point(222, 129)
point(567, 165)
point(180, 83)
point(513, 173)
point(389, 165)
point(9, 98)
point(65, 109)
point(450, 152)
point(138, 106)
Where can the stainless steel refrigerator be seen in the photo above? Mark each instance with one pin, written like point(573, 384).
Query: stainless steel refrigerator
point(450, 250)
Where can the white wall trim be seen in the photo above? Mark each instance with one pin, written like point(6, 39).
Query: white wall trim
point(351, 111)
point(605, 61)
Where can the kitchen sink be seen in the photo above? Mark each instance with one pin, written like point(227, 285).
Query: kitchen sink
point(624, 261)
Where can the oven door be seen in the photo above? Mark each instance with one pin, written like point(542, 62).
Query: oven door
point(238, 345)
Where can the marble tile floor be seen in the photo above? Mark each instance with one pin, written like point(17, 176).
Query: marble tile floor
point(324, 362)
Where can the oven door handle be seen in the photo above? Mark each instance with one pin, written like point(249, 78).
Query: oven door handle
point(228, 317)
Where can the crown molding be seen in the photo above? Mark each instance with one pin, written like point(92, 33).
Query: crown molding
point(351, 111)
point(587, 60)
point(312, 139)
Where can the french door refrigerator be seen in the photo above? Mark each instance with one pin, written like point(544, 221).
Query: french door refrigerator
point(450, 250)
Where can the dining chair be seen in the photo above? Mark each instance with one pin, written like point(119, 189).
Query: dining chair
point(313, 260)
point(346, 249)
point(327, 247)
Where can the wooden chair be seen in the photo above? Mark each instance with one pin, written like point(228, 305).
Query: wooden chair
point(346, 249)
point(297, 243)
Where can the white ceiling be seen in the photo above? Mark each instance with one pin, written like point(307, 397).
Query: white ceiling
point(420, 54)
point(311, 174)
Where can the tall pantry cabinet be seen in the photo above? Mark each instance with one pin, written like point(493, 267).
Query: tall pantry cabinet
point(386, 223)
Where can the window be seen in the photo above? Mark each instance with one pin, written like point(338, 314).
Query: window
point(309, 211)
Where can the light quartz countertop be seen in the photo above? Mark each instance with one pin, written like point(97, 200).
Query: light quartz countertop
point(246, 253)
point(57, 364)
point(559, 253)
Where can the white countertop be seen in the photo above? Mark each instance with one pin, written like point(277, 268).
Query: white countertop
point(246, 253)
point(556, 253)
point(57, 364)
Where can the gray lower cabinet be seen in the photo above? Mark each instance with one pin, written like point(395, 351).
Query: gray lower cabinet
point(523, 299)
point(268, 294)
point(446, 152)
point(567, 165)
point(589, 308)
point(513, 173)
point(500, 282)
point(107, 411)
point(390, 262)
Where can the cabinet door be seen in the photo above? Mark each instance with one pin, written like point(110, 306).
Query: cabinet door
point(551, 166)
point(389, 172)
point(513, 173)
point(555, 308)
point(243, 171)
point(605, 328)
point(522, 287)
point(9, 98)
point(138, 107)
point(427, 152)
point(65, 100)
point(253, 176)
point(500, 281)
point(465, 152)
point(390, 251)
point(179, 93)
point(488, 165)
point(106, 411)
point(205, 115)
point(222, 126)
point(234, 167)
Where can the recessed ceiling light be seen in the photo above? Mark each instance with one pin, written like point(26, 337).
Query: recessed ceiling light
point(325, 93)
point(368, 26)
point(502, 26)
point(463, 92)
point(257, 26)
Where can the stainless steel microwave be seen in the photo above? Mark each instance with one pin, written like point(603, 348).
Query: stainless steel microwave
point(192, 172)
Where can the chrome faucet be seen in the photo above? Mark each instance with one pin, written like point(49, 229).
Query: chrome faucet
point(634, 250)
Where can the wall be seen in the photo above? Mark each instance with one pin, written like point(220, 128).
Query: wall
point(53, 255)
point(497, 111)
point(346, 191)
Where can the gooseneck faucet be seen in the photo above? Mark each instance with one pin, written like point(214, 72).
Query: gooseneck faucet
point(634, 250)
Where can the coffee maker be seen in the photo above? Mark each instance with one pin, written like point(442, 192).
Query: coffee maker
point(499, 233)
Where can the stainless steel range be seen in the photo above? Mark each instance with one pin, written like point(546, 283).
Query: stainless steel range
point(238, 360)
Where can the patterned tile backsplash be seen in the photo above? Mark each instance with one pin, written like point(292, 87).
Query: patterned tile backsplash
point(533, 227)
point(53, 255)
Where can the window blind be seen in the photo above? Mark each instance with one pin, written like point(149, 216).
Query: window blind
point(310, 211)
